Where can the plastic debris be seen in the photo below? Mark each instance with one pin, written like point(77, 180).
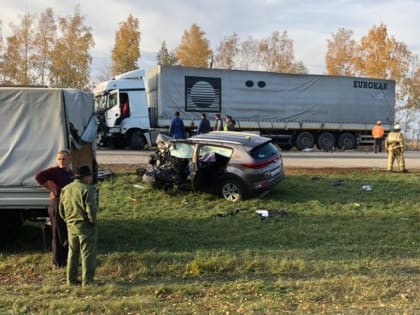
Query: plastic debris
point(271, 213)
point(338, 182)
point(262, 213)
point(104, 174)
point(367, 187)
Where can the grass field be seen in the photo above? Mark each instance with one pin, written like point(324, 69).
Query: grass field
point(336, 249)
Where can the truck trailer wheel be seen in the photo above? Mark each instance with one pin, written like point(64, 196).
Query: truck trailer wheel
point(304, 140)
point(346, 141)
point(326, 141)
point(137, 140)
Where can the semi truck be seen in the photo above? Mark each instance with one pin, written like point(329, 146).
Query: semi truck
point(36, 124)
point(295, 110)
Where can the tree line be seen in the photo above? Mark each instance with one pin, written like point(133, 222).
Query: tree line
point(55, 51)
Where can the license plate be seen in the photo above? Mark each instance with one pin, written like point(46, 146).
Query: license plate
point(275, 172)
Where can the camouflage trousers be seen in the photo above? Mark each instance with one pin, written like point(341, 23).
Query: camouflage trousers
point(82, 244)
point(395, 154)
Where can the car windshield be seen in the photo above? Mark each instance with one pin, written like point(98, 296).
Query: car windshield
point(263, 152)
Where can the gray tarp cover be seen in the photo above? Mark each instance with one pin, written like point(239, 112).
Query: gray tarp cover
point(34, 126)
point(282, 97)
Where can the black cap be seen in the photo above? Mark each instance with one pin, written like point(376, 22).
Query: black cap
point(83, 171)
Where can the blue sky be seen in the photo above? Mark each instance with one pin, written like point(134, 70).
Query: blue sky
point(308, 23)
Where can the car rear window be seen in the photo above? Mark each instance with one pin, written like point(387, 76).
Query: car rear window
point(206, 149)
point(264, 151)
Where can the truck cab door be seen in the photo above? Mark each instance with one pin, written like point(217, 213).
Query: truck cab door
point(113, 112)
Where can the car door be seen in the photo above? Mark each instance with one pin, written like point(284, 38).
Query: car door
point(183, 152)
point(208, 166)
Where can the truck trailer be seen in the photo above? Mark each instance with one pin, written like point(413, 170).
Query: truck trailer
point(298, 110)
point(36, 124)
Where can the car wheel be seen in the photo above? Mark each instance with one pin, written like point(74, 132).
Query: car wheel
point(233, 190)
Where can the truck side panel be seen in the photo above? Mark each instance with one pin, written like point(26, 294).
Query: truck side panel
point(254, 97)
point(36, 124)
point(33, 130)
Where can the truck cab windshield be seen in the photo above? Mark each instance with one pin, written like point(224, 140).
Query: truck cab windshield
point(100, 102)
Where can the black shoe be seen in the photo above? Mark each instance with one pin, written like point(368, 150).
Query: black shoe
point(405, 170)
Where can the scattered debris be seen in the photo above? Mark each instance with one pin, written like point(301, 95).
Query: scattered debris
point(140, 171)
point(338, 182)
point(138, 186)
point(229, 213)
point(271, 213)
point(367, 187)
point(262, 213)
point(357, 205)
point(104, 174)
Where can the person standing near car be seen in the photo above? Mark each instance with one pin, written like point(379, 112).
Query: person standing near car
point(78, 208)
point(55, 179)
point(395, 146)
point(230, 123)
point(203, 125)
point(177, 129)
point(218, 126)
point(377, 134)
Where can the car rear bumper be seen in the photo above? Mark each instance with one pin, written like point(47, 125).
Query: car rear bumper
point(266, 184)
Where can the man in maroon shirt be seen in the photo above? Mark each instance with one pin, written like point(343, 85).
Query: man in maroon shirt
point(54, 179)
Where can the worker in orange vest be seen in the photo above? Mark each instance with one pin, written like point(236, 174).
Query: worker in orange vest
point(378, 134)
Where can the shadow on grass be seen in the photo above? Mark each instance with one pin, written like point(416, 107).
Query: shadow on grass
point(28, 238)
point(341, 232)
point(329, 237)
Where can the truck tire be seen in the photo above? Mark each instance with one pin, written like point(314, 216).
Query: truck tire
point(304, 140)
point(233, 190)
point(326, 141)
point(137, 140)
point(346, 141)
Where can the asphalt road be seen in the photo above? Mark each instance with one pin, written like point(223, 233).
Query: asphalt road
point(311, 159)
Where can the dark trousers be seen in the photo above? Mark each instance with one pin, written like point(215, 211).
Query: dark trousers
point(377, 145)
point(59, 243)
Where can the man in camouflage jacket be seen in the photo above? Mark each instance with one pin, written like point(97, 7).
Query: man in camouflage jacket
point(78, 208)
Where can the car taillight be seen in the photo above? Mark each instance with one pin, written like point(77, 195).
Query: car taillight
point(262, 164)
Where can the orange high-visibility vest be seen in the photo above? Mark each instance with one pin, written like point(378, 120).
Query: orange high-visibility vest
point(377, 132)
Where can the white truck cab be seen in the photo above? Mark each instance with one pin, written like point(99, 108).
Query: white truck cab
point(121, 107)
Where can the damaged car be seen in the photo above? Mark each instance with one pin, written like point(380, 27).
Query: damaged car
point(234, 165)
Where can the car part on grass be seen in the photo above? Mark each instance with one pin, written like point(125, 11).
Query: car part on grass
point(338, 182)
point(367, 187)
point(271, 213)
